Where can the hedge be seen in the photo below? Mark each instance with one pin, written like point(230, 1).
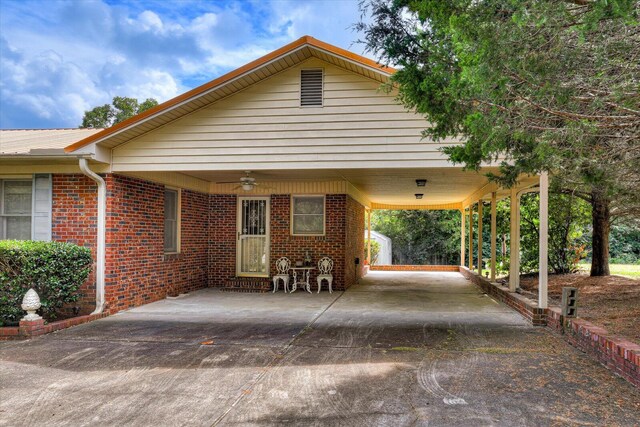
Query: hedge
point(55, 270)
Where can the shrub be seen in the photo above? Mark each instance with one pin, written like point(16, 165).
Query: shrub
point(55, 270)
point(375, 250)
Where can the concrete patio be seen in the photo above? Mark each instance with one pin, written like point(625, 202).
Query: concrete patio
point(416, 348)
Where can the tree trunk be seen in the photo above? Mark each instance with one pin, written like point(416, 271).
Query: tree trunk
point(600, 239)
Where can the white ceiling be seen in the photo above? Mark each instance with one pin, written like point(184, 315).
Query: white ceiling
point(383, 186)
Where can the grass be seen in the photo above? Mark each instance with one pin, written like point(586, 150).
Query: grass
point(626, 270)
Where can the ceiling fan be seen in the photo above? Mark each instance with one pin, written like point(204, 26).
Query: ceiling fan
point(247, 183)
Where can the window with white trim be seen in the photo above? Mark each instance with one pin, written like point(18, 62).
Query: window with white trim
point(308, 215)
point(171, 220)
point(311, 87)
point(16, 203)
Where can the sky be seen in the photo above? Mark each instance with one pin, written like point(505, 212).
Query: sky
point(59, 59)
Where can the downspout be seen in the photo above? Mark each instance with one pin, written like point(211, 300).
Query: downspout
point(100, 237)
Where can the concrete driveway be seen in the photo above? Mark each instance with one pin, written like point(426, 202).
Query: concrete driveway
point(398, 349)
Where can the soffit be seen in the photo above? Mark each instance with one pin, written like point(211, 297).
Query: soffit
point(395, 186)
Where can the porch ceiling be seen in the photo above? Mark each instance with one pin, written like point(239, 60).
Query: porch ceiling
point(381, 186)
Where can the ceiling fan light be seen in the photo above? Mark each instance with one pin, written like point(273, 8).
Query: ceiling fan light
point(419, 196)
point(421, 182)
point(246, 186)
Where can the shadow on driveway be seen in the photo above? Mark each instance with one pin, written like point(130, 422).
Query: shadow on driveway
point(398, 349)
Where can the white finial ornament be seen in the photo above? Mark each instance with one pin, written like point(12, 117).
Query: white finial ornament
point(30, 303)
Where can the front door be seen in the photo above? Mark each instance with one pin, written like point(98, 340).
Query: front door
point(253, 237)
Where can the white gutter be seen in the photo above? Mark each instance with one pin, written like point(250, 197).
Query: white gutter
point(100, 237)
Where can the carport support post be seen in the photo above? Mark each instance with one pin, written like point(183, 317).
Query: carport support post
point(514, 240)
point(543, 244)
point(463, 215)
point(369, 237)
point(471, 237)
point(493, 235)
point(480, 207)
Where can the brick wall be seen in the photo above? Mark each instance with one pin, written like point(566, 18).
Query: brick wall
point(529, 309)
point(342, 242)
point(222, 238)
point(354, 241)
point(73, 220)
point(618, 354)
point(332, 244)
point(137, 270)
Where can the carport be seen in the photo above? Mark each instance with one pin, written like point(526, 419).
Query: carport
point(306, 126)
point(475, 200)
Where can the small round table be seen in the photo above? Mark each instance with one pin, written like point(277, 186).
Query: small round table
point(305, 272)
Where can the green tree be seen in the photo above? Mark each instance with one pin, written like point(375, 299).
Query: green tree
point(625, 242)
point(119, 110)
point(545, 85)
point(420, 237)
point(569, 219)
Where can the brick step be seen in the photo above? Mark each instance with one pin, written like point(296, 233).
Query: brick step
point(247, 284)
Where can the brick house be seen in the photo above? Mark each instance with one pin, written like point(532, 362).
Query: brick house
point(284, 156)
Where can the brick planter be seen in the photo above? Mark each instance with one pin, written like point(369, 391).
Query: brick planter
point(616, 353)
point(28, 329)
point(529, 309)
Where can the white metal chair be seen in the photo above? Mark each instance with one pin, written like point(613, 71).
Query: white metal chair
point(282, 266)
point(325, 265)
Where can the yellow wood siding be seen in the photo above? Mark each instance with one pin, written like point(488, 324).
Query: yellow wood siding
point(263, 127)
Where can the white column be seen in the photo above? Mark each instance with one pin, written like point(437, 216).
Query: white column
point(493, 235)
point(514, 264)
point(543, 245)
point(518, 212)
point(471, 237)
point(480, 208)
point(462, 236)
point(369, 236)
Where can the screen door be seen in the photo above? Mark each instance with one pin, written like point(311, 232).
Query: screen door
point(253, 236)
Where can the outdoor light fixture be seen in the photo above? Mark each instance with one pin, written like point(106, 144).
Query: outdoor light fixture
point(421, 182)
point(419, 196)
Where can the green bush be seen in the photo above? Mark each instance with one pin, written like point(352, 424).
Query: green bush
point(55, 270)
point(375, 250)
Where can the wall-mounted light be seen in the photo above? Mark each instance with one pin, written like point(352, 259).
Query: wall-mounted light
point(419, 196)
point(421, 182)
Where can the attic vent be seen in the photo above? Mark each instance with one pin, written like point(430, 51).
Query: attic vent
point(311, 88)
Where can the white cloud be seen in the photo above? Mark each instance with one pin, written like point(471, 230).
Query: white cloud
point(149, 21)
point(58, 59)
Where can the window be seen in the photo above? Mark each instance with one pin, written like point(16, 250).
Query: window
point(16, 203)
point(311, 86)
point(171, 220)
point(307, 215)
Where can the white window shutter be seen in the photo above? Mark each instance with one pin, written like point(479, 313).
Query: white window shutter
point(42, 195)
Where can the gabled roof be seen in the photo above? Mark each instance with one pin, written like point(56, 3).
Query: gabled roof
point(272, 63)
point(34, 142)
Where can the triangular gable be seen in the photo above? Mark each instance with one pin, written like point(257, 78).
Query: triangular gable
point(290, 55)
point(265, 127)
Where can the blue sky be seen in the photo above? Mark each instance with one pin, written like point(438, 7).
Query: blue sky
point(60, 58)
